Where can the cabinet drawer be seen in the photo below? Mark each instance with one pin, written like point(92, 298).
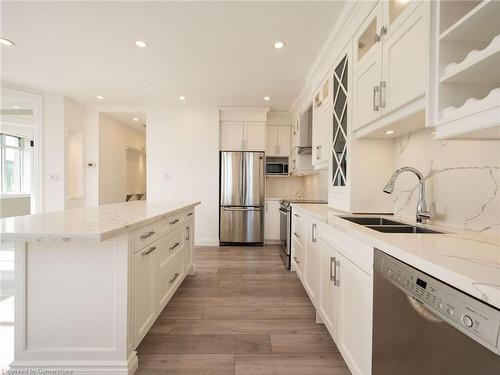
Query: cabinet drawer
point(172, 222)
point(298, 230)
point(169, 278)
point(145, 236)
point(169, 245)
point(298, 257)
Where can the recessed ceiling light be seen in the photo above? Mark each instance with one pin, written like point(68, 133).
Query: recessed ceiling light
point(15, 106)
point(267, 98)
point(100, 97)
point(389, 132)
point(279, 44)
point(433, 133)
point(182, 98)
point(6, 42)
point(135, 119)
point(140, 44)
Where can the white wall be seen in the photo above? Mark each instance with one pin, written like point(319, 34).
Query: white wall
point(114, 137)
point(183, 162)
point(135, 171)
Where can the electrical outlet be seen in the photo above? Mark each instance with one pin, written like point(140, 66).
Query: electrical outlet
point(167, 176)
point(54, 177)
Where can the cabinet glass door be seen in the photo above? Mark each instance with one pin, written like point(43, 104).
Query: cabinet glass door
point(340, 103)
point(367, 38)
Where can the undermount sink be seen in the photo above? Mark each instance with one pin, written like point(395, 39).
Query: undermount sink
point(402, 229)
point(370, 220)
point(384, 225)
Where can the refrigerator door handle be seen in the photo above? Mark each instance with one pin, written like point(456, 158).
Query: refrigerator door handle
point(241, 208)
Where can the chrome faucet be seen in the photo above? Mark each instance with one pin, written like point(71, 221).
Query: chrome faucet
point(422, 213)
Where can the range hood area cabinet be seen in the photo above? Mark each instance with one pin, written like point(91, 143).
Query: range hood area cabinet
point(391, 64)
point(322, 125)
point(465, 80)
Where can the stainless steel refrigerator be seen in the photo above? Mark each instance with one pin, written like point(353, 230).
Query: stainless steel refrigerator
point(241, 217)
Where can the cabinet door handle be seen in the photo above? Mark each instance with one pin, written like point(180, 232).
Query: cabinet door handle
point(296, 260)
point(377, 38)
point(317, 152)
point(174, 221)
point(334, 265)
point(296, 235)
point(148, 251)
point(190, 213)
point(376, 91)
point(383, 86)
point(296, 215)
point(313, 232)
point(174, 246)
point(383, 30)
point(176, 275)
point(146, 235)
point(332, 276)
point(188, 233)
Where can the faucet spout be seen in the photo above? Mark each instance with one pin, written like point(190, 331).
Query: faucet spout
point(422, 213)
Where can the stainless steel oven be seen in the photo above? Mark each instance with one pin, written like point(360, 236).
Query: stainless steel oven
point(285, 227)
point(424, 326)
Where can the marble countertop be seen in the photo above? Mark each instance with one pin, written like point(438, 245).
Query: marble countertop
point(468, 261)
point(88, 224)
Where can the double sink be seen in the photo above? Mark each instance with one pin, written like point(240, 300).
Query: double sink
point(381, 224)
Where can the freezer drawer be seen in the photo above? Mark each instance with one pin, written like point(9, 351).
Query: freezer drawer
point(241, 225)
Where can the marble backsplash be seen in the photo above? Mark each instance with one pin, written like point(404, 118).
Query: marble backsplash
point(462, 180)
point(312, 186)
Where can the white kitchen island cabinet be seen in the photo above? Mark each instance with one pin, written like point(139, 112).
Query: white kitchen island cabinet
point(91, 282)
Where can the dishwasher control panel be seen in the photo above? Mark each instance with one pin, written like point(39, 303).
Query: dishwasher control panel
point(478, 320)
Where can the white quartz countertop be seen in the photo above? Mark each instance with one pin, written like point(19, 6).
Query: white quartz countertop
point(88, 224)
point(466, 260)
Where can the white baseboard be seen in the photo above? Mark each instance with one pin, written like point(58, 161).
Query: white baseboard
point(206, 242)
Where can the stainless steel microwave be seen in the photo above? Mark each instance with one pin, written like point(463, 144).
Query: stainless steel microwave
point(276, 168)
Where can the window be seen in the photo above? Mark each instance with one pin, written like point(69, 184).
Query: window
point(15, 166)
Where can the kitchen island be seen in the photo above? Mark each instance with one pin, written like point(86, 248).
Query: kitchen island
point(90, 282)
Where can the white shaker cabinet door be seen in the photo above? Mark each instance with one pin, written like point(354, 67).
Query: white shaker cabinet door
point(329, 305)
point(232, 135)
point(284, 140)
point(145, 287)
point(405, 62)
point(313, 263)
point(272, 140)
point(272, 220)
point(366, 91)
point(355, 319)
point(255, 136)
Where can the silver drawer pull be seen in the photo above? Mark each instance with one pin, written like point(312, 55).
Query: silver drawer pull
point(296, 235)
point(296, 260)
point(174, 221)
point(334, 264)
point(173, 247)
point(188, 234)
point(174, 278)
point(190, 213)
point(296, 215)
point(150, 250)
point(146, 235)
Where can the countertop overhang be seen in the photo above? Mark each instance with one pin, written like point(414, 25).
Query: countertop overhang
point(93, 224)
point(465, 260)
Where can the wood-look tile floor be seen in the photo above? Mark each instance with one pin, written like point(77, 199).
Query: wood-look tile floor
point(242, 313)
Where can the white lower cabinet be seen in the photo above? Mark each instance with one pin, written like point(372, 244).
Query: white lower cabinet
point(313, 263)
point(145, 286)
point(158, 270)
point(272, 220)
point(333, 268)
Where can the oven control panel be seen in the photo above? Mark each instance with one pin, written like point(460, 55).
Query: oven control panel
point(471, 316)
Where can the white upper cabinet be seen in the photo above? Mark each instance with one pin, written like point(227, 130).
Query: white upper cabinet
point(322, 125)
point(390, 64)
point(254, 136)
point(232, 136)
point(278, 140)
point(243, 136)
point(465, 78)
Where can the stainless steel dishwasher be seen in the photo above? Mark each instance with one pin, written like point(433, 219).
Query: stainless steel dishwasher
point(424, 326)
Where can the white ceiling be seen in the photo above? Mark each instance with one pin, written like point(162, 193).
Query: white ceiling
point(214, 53)
point(127, 118)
